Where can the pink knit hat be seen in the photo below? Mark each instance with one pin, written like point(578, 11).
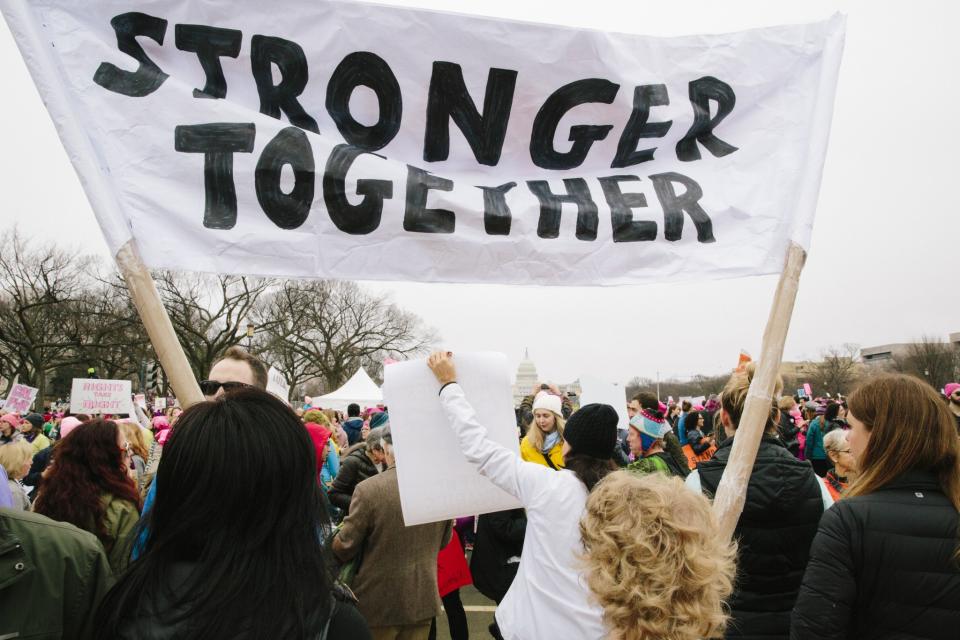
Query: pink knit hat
point(12, 419)
point(67, 425)
point(950, 388)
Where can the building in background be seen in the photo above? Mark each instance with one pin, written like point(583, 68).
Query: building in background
point(527, 377)
point(885, 354)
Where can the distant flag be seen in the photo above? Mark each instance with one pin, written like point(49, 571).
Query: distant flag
point(743, 361)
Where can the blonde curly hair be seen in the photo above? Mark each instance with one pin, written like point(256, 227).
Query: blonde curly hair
point(653, 559)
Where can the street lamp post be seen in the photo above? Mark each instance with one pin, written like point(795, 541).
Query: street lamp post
point(250, 329)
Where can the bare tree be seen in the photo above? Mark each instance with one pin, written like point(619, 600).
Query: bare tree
point(698, 385)
point(40, 290)
point(109, 333)
point(328, 329)
point(930, 359)
point(838, 368)
point(280, 317)
point(209, 313)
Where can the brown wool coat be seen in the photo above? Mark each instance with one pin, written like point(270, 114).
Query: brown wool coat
point(397, 581)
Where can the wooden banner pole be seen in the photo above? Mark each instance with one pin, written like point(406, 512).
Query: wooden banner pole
point(732, 490)
point(36, 53)
point(146, 298)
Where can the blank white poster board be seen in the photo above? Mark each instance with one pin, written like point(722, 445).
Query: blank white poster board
point(595, 390)
point(436, 481)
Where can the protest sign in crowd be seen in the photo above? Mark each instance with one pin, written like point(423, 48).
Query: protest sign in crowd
point(201, 523)
point(480, 150)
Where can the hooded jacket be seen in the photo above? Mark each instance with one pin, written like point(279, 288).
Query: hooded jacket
point(779, 520)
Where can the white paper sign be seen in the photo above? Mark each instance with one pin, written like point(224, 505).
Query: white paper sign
point(160, 403)
point(140, 400)
point(593, 389)
point(93, 396)
point(277, 385)
point(436, 481)
point(505, 151)
point(20, 399)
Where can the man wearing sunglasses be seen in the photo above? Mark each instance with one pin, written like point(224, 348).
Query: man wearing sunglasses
point(952, 391)
point(235, 368)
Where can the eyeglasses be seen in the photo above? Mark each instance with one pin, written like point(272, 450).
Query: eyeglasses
point(210, 387)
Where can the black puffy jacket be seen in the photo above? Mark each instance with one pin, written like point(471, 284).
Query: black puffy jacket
point(883, 565)
point(355, 467)
point(779, 520)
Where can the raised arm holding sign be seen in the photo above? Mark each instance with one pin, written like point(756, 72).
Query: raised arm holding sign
point(685, 157)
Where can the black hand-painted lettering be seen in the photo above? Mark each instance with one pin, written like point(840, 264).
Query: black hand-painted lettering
point(218, 142)
point(370, 70)
point(702, 91)
point(542, 151)
point(417, 217)
point(625, 228)
point(496, 214)
point(675, 205)
point(286, 210)
point(148, 77)
point(644, 97)
point(355, 219)
point(578, 193)
point(292, 63)
point(210, 44)
point(449, 100)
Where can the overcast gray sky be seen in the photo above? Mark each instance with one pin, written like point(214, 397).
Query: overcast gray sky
point(885, 247)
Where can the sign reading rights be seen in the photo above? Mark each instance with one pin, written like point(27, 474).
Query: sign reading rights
point(93, 396)
point(387, 143)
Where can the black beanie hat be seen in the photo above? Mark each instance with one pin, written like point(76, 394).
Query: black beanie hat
point(592, 431)
point(36, 420)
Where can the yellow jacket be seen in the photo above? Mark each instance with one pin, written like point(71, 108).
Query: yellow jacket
point(529, 453)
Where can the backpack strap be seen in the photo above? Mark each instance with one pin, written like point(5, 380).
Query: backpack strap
point(326, 627)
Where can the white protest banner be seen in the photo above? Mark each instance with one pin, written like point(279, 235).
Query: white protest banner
point(277, 385)
point(593, 389)
point(94, 396)
point(479, 150)
point(20, 399)
point(436, 481)
point(160, 403)
point(140, 400)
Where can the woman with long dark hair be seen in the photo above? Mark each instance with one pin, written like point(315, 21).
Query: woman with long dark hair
point(89, 485)
point(233, 546)
point(549, 597)
point(884, 563)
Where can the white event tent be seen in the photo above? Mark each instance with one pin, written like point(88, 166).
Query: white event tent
point(360, 389)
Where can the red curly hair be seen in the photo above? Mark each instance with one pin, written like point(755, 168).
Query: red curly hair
point(87, 464)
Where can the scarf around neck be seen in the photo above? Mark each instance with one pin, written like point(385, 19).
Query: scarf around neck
point(550, 441)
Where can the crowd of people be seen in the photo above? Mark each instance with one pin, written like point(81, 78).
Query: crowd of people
point(243, 517)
